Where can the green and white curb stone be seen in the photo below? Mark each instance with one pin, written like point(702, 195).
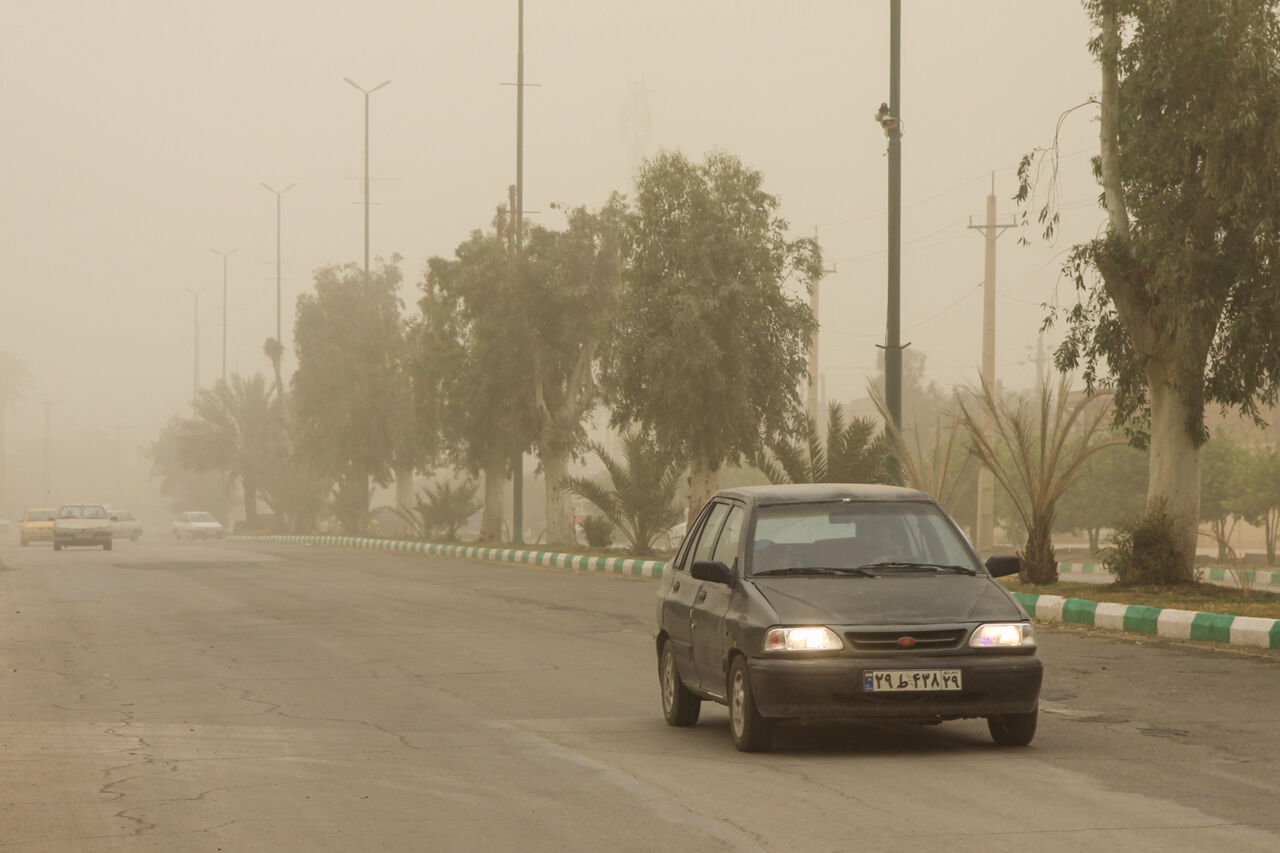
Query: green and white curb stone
point(628, 566)
point(1253, 579)
point(1168, 623)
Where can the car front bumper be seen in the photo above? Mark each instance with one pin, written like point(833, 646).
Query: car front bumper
point(95, 538)
point(832, 687)
point(36, 534)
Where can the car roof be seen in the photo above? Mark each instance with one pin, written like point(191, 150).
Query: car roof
point(821, 493)
point(42, 509)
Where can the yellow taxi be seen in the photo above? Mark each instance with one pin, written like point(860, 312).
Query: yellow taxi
point(36, 525)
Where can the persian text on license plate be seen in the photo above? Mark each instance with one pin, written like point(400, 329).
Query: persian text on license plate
point(906, 680)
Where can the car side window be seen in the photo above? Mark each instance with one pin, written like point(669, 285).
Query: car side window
point(727, 546)
point(710, 530)
point(681, 561)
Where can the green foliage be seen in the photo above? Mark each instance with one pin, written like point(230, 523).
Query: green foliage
point(442, 509)
point(184, 488)
point(938, 466)
point(709, 347)
point(471, 356)
point(598, 530)
point(1036, 454)
point(1258, 498)
point(1146, 550)
point(351, 389)
point(236, 429)
point(1224, 466)
point(645, 481)
point(1112, 486)
point(854, 452)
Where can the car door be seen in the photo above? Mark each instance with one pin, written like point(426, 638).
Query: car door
point(677, 600)
point(710, 641)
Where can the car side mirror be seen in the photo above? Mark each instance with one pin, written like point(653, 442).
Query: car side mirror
point(1003, 566)
point(713, 571)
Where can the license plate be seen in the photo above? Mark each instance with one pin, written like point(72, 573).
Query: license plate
point(910, 680)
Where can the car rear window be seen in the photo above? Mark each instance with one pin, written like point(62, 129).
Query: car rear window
point(41, 515)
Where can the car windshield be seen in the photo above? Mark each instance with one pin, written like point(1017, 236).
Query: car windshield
point(41, 515)
point(200, 516)
point(831, 538)
point(82, 512)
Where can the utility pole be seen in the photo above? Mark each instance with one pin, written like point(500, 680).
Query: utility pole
point(278, 194)
point(991, 231)
point(367, 93)
point(517, 471)
point(48, 454)
point(195, 394)
point(892, 124)
point(224, 256)
point(812, 405)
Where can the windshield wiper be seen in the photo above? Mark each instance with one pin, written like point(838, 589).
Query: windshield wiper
point(907, 564)
point(816, 570)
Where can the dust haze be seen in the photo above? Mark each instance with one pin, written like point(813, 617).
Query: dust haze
point(138, 135)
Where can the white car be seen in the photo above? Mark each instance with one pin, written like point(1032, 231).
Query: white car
point(82, 524)
point(124, 525)
point(196, 525)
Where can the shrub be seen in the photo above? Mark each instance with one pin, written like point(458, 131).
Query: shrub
point(1147, 550)
point(598, 530)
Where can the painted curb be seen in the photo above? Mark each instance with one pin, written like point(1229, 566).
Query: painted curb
point(627, 566)
point(1134, 618)
point(1139, 618)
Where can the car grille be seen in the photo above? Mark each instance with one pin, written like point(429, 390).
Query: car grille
point(930, 640)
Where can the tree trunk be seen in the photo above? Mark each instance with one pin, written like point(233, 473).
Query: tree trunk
point(1269, 523)
point(1039, 565)
point(250, 503)
point(404, 498)
point(704, 481)
point(1095, 533)
point(494, 515)
point(1174, 481)
point(555, 469)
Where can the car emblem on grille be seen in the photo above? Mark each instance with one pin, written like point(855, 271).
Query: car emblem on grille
point(906, 642)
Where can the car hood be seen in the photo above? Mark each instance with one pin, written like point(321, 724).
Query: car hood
point(887, 600)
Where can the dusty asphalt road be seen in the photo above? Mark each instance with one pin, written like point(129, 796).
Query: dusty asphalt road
point(192, 697)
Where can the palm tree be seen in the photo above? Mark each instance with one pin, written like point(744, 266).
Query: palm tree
point(236, 429)
point(936, 469)
point(442, 507)
point(853, 453)
point(642, 501)
point(1036, 456)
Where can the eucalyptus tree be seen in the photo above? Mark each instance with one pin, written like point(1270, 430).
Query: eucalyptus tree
point(183, 487)
point(1222, 484)
point(1259, 497)
point(1111, 489)
point(351, 387)
point(710, 344)
point(572, 282)
point(472, 360)
point(1178, 300)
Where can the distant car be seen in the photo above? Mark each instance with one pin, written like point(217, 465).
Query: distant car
point(197, 525)
point(36, 525)
point(82, 524)
point(841, 602)
point(124, 525)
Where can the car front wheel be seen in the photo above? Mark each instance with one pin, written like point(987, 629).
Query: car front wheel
point(1013, 729)
point(57, 546)
point(106, 546)
point(751, 732)
point(679, 705)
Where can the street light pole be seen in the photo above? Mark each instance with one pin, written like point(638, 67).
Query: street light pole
point(517, 469)
point(195, 394)
point(278, 194)
point(366, 93)
point(893, 334)
point(224, 256)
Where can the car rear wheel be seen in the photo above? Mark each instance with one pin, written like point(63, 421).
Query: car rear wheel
point(1013, 729)
point(679, 705)
point(57, 546)
point(134, 537)
point(106, 546)
point(751, 732)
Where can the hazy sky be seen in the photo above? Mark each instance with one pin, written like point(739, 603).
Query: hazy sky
point(137, 132)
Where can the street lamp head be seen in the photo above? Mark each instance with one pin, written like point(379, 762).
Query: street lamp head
point(360, 88)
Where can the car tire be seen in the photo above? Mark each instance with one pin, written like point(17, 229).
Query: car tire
point(134, 537)
point(106, 546)
point(751, 732)
point(23, 542)
point(57, 546)
point(1013, 729)
point(679, 704)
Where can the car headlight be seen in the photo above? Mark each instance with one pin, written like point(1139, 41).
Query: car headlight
point(801, 639)
point(1003, 636)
